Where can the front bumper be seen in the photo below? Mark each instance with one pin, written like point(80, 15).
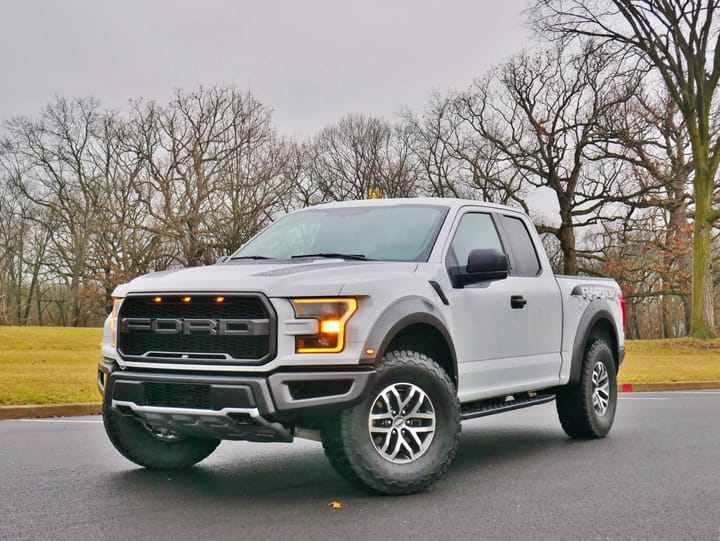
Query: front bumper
point(254, 408)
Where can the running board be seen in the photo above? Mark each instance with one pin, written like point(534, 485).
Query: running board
point(482, 408)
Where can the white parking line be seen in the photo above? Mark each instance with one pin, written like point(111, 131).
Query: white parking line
point(643, 398)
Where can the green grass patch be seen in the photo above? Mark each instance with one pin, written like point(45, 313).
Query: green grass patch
point(55, 365)
point(48, 365)
point(680, 359)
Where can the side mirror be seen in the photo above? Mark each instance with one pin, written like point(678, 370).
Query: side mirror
point(482, 265)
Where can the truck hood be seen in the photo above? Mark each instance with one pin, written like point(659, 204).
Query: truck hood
point(274, 279)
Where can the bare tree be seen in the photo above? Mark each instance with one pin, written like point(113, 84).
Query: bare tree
point(209, 168)
point(681, 41)
point(14, 240)
point(652, 138)
point(122, 247)
point(253, 186)
point(361, 156)
point(538, 119)
point(296, 173)
point(52, 171)
point(434, 139)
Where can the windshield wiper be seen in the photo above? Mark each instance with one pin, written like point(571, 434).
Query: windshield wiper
point(251, 257)
point(332, 255)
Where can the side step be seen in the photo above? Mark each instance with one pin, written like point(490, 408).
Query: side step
point(482, 408)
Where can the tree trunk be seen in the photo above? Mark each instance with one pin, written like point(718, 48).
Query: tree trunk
point(702, 324)
point(667, 306)
point(566, 235)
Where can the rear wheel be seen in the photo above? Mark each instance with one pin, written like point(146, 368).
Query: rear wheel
point(154, 448)
point(404, 435)
point(587, 409)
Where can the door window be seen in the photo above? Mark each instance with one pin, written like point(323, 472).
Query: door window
point(476, 230)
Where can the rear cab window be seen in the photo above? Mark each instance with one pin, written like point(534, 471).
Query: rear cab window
point(523, 254)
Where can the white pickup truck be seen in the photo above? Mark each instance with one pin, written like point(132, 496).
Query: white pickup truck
point(373, 326)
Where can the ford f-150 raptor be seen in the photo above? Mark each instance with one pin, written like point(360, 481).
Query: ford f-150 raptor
point(373, 326)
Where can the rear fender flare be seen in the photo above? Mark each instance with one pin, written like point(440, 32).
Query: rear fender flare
point(597, 310)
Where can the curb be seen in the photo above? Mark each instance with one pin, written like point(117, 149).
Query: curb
point(95, 408)
point(668, 386)
point(56, 410)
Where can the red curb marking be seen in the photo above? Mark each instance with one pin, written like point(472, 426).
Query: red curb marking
point(626, 388)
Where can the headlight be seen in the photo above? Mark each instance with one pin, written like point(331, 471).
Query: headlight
point(332, 315)
point(117, 301)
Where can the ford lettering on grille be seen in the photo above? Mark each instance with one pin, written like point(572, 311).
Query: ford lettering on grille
point(213, 327)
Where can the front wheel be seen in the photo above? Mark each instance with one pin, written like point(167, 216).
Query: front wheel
point(403, 436)
point(587, 408)
point(151, 447)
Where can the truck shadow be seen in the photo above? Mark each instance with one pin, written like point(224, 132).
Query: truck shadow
point(288, 475)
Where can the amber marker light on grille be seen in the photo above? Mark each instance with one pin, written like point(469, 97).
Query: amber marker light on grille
point(332, 315)
point(219, 299)
point(157, 299)
point(186, 299)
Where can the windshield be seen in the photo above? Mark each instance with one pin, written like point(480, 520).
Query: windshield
point(384, 233)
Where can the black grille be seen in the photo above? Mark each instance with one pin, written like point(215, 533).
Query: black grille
point(178, 395)
point(197, 346)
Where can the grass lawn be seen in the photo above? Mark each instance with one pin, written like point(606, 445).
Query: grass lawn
point(680, 359)
point(53, 365)
point(48, 365)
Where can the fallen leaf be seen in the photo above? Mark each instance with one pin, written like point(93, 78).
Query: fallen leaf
point(336, 505)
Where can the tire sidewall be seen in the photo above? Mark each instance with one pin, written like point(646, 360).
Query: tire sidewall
point(444, 438)
point(600, 352)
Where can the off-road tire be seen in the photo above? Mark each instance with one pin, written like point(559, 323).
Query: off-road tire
point(354, 455)
point(136, 443)
point(576, 410)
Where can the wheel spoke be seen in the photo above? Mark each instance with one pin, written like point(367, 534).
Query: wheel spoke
point(399, 442)
point(414, 434)
point(413, 392)
point(386, 444)
point(393, 400)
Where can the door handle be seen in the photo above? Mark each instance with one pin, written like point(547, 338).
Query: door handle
point(518, 301)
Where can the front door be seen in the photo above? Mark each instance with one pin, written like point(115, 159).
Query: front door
point(508, 332)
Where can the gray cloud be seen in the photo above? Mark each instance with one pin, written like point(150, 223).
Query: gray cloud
point(311, 61)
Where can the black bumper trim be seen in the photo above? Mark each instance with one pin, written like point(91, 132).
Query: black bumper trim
point(343, 387)
point(271, 394)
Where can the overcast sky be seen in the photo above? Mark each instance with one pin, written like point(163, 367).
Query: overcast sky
point(311, 61)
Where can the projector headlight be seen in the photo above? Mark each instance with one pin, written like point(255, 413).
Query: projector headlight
point(332, 315)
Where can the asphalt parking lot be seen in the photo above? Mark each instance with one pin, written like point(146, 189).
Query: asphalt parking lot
point(516, 476)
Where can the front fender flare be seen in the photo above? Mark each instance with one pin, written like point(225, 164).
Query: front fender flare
point(400, 315)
